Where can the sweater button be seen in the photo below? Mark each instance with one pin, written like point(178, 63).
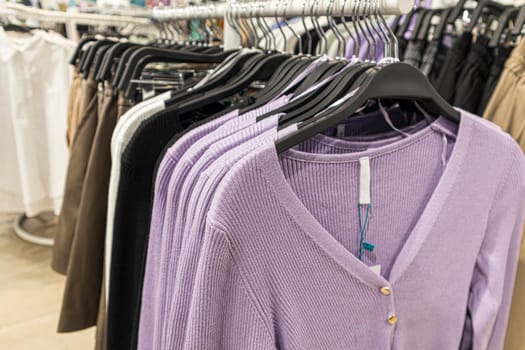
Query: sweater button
point(385, 290)
point(392, 319)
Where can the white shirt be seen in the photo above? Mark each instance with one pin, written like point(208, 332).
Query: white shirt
point(36, 69)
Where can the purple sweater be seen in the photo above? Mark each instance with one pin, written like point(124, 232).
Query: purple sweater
point(166, 166)
point(171, 253)
point(181, 285)
point(278, 266)
point(170, 177)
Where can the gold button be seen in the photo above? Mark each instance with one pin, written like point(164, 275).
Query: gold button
point(385, 290)
point(392, 319)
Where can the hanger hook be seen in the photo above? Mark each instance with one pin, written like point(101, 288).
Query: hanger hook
point(306, 31)
point(340, 38)
point(262, 18)
point(316, 25)
point(371, 29)
point(324, 40)
point(277, 4)
point(257, 24)
point(285, 20)
point(246, 18)
point(380, 31)
point(347, 29)
point(365, 30)
point(393, 39)
point(230, 20)
point(358, 26)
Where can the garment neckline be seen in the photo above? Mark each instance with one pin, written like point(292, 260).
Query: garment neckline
point(269, 165)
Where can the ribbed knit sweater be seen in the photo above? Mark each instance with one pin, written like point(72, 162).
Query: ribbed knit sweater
point(278, 266)
point(157, 218)
point(173, 170)
point(179, 293)
point(180, 285)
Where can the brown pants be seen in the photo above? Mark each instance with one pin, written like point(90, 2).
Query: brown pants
point(73, 107)
point(124, 104)
point(81, 302)
point(78, 158)
point(507, 109)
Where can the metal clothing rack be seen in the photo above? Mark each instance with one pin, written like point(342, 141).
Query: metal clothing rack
point(273, 9)
point(226, 10)
point(70, 19)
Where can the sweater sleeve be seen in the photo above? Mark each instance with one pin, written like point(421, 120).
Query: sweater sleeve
point(223, 314)
point(495, 270)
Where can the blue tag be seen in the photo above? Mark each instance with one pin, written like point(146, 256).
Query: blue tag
point(368, 246)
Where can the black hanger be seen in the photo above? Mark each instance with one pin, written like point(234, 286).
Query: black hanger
point(234, 63)
point(383, 84)
point(406, 23)
point(122, 63)
point(76, 54)
point(326, 69)
point(456, 12)
point(493, 7)
point(395, 23)
point(437, 35)
point(427, 23)
point(326, 96)
point(278, 75)
point(99, 58)
point(84, 54)
point(92, 51)
point(520, 21)
point(303, 107)
point(115, 52)
point(261, 72)
point(222, 78)
point(140, 58)
point(423, 15)
point(294, 69)
point(213, 49)
point(10, 27)
point(509, 14)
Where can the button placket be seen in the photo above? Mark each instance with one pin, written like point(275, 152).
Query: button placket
point(390, 316)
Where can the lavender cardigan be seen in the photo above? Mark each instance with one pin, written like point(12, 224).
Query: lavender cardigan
point(278, 266)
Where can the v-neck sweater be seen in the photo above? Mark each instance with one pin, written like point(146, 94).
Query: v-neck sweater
point(180, 285)
point(270, 275)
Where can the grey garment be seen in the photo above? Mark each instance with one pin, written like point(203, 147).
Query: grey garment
point(428, 57)
point(414, 52)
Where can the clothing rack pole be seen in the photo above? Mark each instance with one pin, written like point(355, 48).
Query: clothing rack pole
point(273, 8)
point(270, 8)
point(70, 19)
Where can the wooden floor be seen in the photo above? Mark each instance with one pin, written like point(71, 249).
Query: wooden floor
point(30, 297)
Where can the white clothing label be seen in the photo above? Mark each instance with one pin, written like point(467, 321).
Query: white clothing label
point(376, 269)
point(364, 180)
